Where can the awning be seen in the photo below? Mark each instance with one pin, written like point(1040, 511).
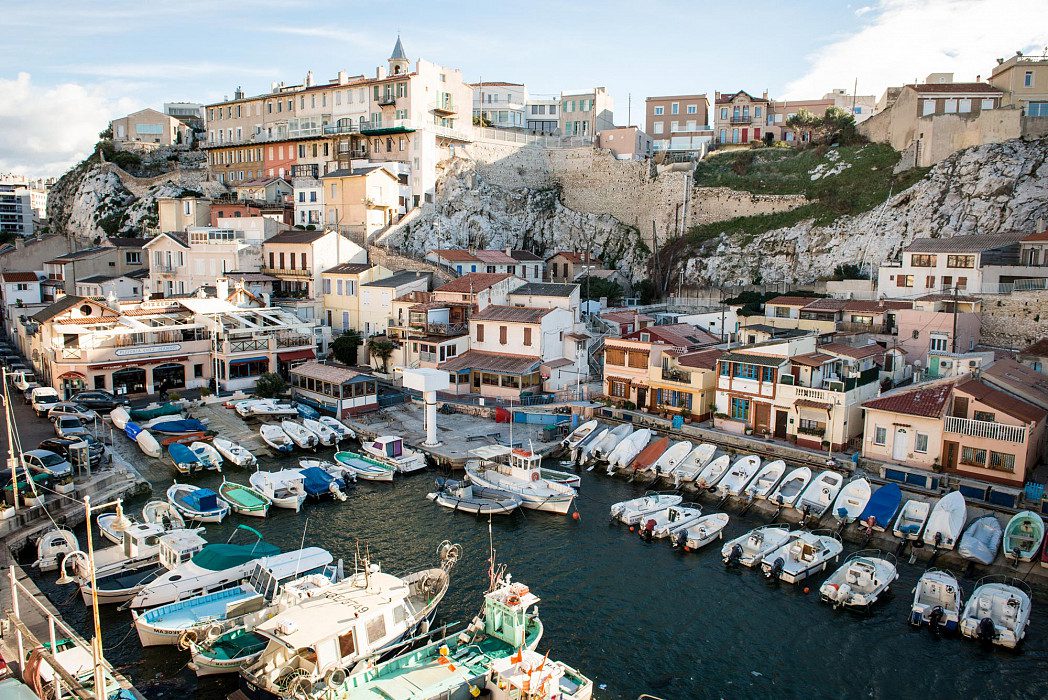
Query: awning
point(296, 355)
point(72, 375)
point(138, 363)
point(242, 360)
point(808, 403)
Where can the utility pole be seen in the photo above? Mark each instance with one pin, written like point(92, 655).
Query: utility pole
point(954, 319)
point(629, 108)
point(855, 90)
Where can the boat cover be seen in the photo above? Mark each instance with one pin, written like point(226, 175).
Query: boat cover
point(882, 505)
point(981, 539)
point(305, 411)
point(176, 427)
point(218, 557)
point(164, 409)
point(317, 481)
point(201, 500)
point(182, 454)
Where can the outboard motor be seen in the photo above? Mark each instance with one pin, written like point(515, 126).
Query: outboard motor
point(734, 556)
point(680, 540)
point(935, 617)
point(986, 632)
point(938, 539)
point(776, 569)
point(648, 531)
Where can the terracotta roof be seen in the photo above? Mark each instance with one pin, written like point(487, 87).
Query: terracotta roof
point(1039, 236)
point(624, 316)
point(328, 373)
point(725, 98)
point(808, 403)
point(348, 269)
point(455, 255)
point(492, 362)
point(954, 87)
point(679, 335)
point(812, 359)
point(495, 257)
point(559, 362)
point(946, 297)
point(976, 243)
point(827, 305)
point(293, 236)
point(879, 306)
point(1002, 401)
point(576, 257)
point(1019, 379)
point(858, 353)
point(929, 401)
point(1037, 349)
point(753, 359)
point(64, 304)
point(511, 314)
point(495, 83)
point(21, 277)
point(700, 359)
point(473, 282)
point(790, 301)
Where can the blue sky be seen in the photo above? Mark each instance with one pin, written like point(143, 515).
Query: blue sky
point(67, 67)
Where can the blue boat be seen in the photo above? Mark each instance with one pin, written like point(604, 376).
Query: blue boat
point(305, 411)
point(178, 427)
point(132, 430)
point(197, 503)
point(185, 460)
point(318, 483)
point(882, 506)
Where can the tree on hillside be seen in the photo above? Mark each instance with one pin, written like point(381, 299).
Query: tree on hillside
point(344, 347)
point(382, 349)
point(802, 121)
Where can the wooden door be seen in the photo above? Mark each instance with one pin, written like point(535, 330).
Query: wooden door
point(781, 418)
point(949, 455)
point(761, 416)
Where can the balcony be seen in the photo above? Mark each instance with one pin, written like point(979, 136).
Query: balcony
point(294, 340)
point(387, 101)
point(288, 272)
point(164, 269)
point(397, 126)
point(676, 375)
point(453, 134)
point(449, 329)
point(249, 345)
point(742, 119)
point(350, 128)
point(986, 429)
point(427, 357)
point(444, 106)
point(818, 431)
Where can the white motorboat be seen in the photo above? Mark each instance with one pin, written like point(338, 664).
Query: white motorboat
point(197, 503)
point(342, 431)
point(671, 458)
point(112, 525)
point(766, 480)
point(149, 445)
point(632, 511)
point(610, 441)
point(235, 453)
point(581, 453)
point(738, 476)
point(274, 436)
point(629, 448)
point(52, 547)
point(324, 433)
point(936, 601)
point(579, 434)
point(522, 477)
point(271, 408)
point(120, 417)
point(911, 520)
point(303, 437)
point(751, 548)
point(690, 466)
point(243, 408)
point(470, 498)
point(852, 500)
point(808, 554)
point(946, 521)
point(391, 450)
point(665, 522)
point(700, 532)
point(712, 472)
point(286, 487)
point(861, 580)
point(789, 490)
point(208, 455)
point(164, 514)
point(998, 611)
point(820, 494)
point(340, 473)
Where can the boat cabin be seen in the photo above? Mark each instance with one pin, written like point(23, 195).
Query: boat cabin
point(505, 613)
point(528, 674)
point(389, 446)
point(516, 462)
point(141, 538)
point(179, 547)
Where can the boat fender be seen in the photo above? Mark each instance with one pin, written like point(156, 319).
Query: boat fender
point(334, 678)
point(186, 639)
point(423, 626)
point(214, 632)
point(300, 688)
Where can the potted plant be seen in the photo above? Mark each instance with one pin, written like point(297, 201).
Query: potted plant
point(749, 430)
point(686, 415)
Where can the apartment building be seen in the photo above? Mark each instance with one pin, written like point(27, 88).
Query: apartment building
point(183, 262)
point(121, 256)
point(341, 293)
point(295, 259)
point(542, 115)
point(626, 143)
point(1023, 82)
point(361, 200)
point(16, 210)
point(429, 332)
point(585, 112)
point(938, 323)
point(862, 107)
point(521, 263)
point(678, 123)
point(148, 128)
point(739, 117)
point(182, 213)
point(189, 113)
point(479, 289)
point(271, 190)
point(500, 105)
point(629, 361)
point(1035, 356)
point(377, 297)
point(566, 265)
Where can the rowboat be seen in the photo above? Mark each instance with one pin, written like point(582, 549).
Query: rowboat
point(946, 521)
point(197, 503)
point(185, 460)
point(244, 499)
point(851, 500)
point(364, 467)
point(325, 434)
point(208, 455)
point(274, 436)
point(649, 455)
point(1023, 536)
point(300, 435)
point(911, 520)
point(237, 454)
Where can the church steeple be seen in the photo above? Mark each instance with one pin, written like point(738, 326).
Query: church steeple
point(398, 60)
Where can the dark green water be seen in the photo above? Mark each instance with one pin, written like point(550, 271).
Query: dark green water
point(634, 616)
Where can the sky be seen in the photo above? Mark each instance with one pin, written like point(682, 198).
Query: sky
point(69, 66)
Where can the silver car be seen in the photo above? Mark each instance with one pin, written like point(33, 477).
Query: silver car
point(69, 426)
point(70, 408)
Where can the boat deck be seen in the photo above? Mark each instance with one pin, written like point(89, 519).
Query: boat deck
point(192, 612)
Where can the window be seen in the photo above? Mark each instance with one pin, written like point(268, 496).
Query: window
point(967, 261)
point(1037, 109)
point(973, 456)
point(674, 126)
point(675, 108)
point(950, 106)
point(346, 645)
point(904, 280)
point(619, 390)
point(243, 370)
point(725, 369)
point(964, 106)
point(767, 374)
point(1028, 79)
point(527, 337)
point(920, 260)
point(659, 111)
point(327, 285)
point(986, 104)
point(658, 127)
point(937, 343)
point(693, 109)
point(1002, 461)
point(962, 282)
point(929, 282)
point(921, 443)
point(985, 415)
point(503, 333)
point(928, 108)
point(740, 409)
point(480, 332)
point(880, 435)
point(724, 113)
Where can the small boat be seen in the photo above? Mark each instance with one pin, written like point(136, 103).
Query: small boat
point(271, 408)
point(319, 484)
point(789, 490)
point(649, 455)
point(882, 507)
point(522, 476)
point(626, 450)
point(936, 601)
point(285, 488)
point(559, 477)
point(113, 525)
point(700, 532)
point(851, 500)
point(946, 521)
point(808, 554)
point(178, 427)
point(306, 411)
point(164, 514)
point(513, 677)
point(132, 430)
point(274, 436)
point(610, 441)
point(149, 423)
point(764, 483)
point(690, 466)
point(342, 476)
point(740, 474)
point(303, 437)
point(665, 522)
point(391, 450)
point(468, 498)
point(981, 539)
point(197, 503)
point(208, 455)
point(911, 520)
point(325, 435)
point(671, 458)
point(998, 611)
point(579, 434)
point(148, 444)
point(120, 417)
point(244, 499)
point(155, 410)
point(185, 460)
point(820, 494)
point(236, 454)
point(751, 548)
point(184, 438)
point(712, 472)
point(582, 451)
point(861, 580)
point(1023, 536)
point(343, 431)
point(365, 467)
point(632, 511)
point(52, 547)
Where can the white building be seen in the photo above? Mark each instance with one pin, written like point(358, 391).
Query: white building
point(181, 263)
point(309, 201)
point(502, 105)
point(21, 288)
point(16, 209)
point(376, 298)
point(543, 114)
point(120, 287)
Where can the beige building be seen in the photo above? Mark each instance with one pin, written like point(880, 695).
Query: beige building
point(295, 259)
point(678, 123)
point(377, 296)
point(625, 142)
point(341, 289)
point(862, 107)
point(120, 257)
point(1023, 81)
point(149, 128)
point(585, 112)
point(182, 213)
point(739, 117)
point(362, 200)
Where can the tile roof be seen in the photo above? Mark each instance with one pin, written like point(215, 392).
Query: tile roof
point(955, 87)
point(946, 297)
point(474, 282)
point(1039, 236)
point(725, 98)
point(496, 83)
point(348, 269)
point(495, 257)
point(21, 277)
point(812, 359)
point(259, 182)
point(78, 255)
point(1018, 379)
point(1037, 349)
point(559, 362)
point(455, 255)
point(790, 301)
point(827, 305)
point(700, 359)
point(525, 256)
point(928, 401)
point(576, 257)
point(64, 304)
point(95, 279)
point(808, 403)
point(399, 278)
point(1002, 401)
point(121, 242)
point(328, 373)
point(492, 362)
point(624, 316)
point(545, 289)
point(295, 236)
point(512, 314)
point(679, 335)
point(753, 359)
point(858, 353)
point(878, 306)
point(179, 237)
point(976, 243)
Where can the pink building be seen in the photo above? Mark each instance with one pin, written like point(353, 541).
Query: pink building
point(933, 325)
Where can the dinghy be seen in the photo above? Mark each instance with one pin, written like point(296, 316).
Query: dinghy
point(766, 480)
point(149, 423)
point(391, 450)
point(197, 503)
point(131, 430)
point(559, 477)
point(342, 476)
point(114, 525)
point(185, 460)
point(805, 556)
point(789, 490)
point(164, 514)
point(579, 434)
point(52, 547)
point(751, 548)
point(364, 467)
point(911, 520)
point(285, 488)
point(154, 410)
point(468, 498)
point(243, 408)
point(851, 500)
point(820, 494)
point(274, 436)
point(208, 455)
point(1023, 536)
point(881, 508)
point(630, 512)
point(740, 474)
point(325, 435)
point(712, 472)
point(936, 601)
point(319, 484)
point(244, 499)
point(236, 454)
point(148, 444)
point(861, 580)
point(700, 532)
point(306, 411)
point(522, 477)
point(177, 427)
point(271, 408)
point(981, 539)
point(342, 431)
point(120, 417)
point(610, 442)
point(303, 438)
point(946, 521)
point(671, 458)
point(649, 455)
point(665, 522)
point(998, 611)
point(582, 451)
point(629, 448)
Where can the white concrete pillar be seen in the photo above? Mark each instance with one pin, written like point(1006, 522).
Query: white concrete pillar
point(429, 398)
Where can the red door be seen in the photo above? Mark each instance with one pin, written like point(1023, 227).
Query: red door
point(745, 135)
point(756, 133)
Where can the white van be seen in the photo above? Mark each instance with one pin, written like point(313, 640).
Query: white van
point(43, 399)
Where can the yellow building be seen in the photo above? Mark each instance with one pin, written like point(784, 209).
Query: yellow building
point(362, 200)
point(685, 383)
point(341, 292)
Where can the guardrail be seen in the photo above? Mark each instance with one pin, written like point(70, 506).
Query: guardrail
point(985, 429)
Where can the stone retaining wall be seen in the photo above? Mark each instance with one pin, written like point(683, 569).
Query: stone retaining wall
point(712, 204)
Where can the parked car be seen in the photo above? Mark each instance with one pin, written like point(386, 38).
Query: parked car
point(101, 401)
point(27, 395)
point(70, 408)
point(67, 426)
point(23, 379)
point(63, 445)
point(43, 398)
point(47, 462)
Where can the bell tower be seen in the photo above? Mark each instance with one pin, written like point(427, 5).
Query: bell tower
point(398, 60)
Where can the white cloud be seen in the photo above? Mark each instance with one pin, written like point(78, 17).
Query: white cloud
point(46, 130)
point(903, 40)
point(165, 72)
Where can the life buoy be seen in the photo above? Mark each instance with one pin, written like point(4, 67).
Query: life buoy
point(534, 476)
point(214, 631)
point(513, 600)
point(186, 639)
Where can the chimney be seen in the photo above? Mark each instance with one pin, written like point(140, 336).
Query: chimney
point(273, 86)
point(1040, 226)
point(765, 94)
point(238, 94)
point(222, 288)
point(716, 95)
point(509, 251)
point(342, 77)
point(309, 78)
point(978, 78)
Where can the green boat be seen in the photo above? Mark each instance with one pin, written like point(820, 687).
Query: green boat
point(164, 409)
point(244, 499)
point(1022, 536)
point(227, 653)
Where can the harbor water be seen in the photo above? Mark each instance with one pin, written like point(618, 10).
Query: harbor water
point(636, 617)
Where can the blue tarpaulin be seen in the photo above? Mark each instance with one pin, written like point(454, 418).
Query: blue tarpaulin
point(177, 427)
point(317, 481)
point(201, 500)
point(882, 505)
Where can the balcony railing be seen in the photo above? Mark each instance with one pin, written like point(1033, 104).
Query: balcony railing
point(287, 272)
point(444, 106)
point(676, 375)
point(447, 328)
point(351, 128)
point(450, 133)
point(387, 100)
point(741, 119)
point(164, 269)
point(294, 341)
point(252, 345)
point(986, 429)
point(427, 357)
